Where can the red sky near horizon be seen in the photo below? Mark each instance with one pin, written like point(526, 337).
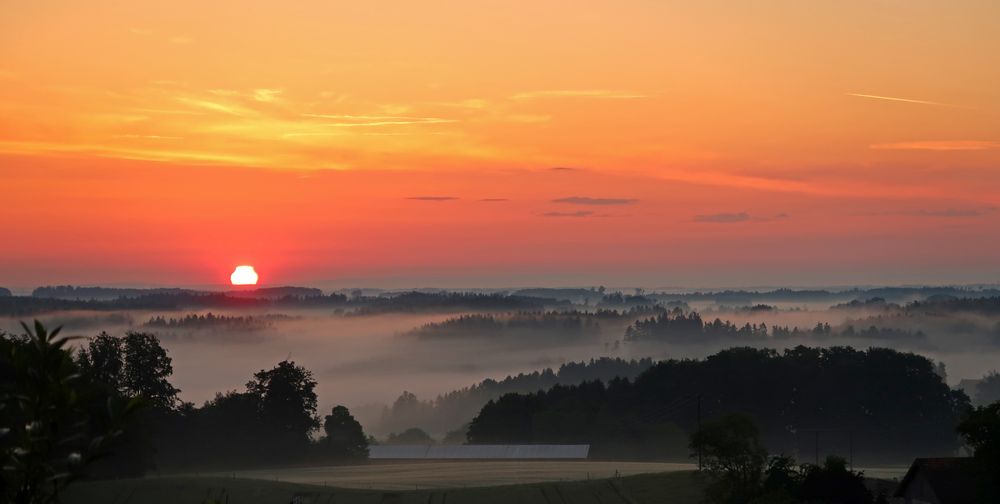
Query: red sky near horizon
point(450, 143)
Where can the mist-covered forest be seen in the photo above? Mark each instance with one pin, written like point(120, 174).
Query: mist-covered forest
point(431, 359)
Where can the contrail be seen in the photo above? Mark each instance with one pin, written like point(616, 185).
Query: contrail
point(907, 100)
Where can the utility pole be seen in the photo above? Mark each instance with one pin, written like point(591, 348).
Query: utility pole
point(699, 429)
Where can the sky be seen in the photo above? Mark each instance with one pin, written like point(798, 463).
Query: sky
point(495, 143)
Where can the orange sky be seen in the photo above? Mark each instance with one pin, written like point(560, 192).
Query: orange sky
point(624, 142)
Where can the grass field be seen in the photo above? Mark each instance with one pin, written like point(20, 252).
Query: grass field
point(413, 475)
point(679, 487)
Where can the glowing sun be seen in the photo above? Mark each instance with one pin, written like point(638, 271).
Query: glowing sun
point(244, 275)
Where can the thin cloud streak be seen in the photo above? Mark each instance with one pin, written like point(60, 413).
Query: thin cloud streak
point(580, 93)
point(907, 100)
point(938, 145)
point(584, 200)
point(723, 218)
point(581, 213)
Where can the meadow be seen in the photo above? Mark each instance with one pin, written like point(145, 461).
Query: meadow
point(679, 487)
point(413, 475)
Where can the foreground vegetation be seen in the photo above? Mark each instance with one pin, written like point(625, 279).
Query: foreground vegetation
point(882, 404)
point(674, 488)
point(109, 410)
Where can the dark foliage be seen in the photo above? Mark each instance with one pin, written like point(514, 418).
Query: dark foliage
point(344, 438)
point(212, 321)
point(677, 326)
point(892, 404)
point(981, 430)
point(455, 408)
point(55, 425)
point(731, 450)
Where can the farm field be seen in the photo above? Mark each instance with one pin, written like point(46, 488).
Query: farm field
point(680, 487)
point(414, 475)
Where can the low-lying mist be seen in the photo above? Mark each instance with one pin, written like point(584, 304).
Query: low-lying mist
point(365, 361)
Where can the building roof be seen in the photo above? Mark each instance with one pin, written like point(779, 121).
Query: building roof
point(951, 478)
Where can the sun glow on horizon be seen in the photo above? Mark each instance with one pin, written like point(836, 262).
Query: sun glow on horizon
point(244, 275)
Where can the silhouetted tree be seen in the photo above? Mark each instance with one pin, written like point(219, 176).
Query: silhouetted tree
point(833, 483)
point(103, 360)
point(286, 399)
point(135, 366)
point(732, 453)
point(344, 436)
point(147, 369)
point(981, 430)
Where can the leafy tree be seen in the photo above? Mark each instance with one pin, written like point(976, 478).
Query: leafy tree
point(732, 453)
point(135, 366)
point(981, 430)
point(103, 359)
point(48, 439)
point(286, 399)
point(833, 483)
point(344, 436)
point(147, 367)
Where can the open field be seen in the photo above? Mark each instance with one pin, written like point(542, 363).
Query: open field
point(681, 487)
point(412, 475)
point(409, 475)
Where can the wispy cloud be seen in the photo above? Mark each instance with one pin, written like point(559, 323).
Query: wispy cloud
point(472, 103)
point(723, 218)
point(579, 93)
point(224, 92)
point(582, 213)
point(149, 137)
point(432, 198)
point(956, 212)
point(266, 95)
point(938, 145)
point(350, 121)
point(947, 213)
point(180, 40)
point(565, 169)
point(584, 200)
point(906, 100)
point(215, 106)
point(493, 199)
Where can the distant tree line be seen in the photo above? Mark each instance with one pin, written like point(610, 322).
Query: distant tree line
point(112, 293)
point(419, 302)
point(522, 327)
point(934, 305)
point(211, 321)
point(887, 404)
point(677, 326)
point(453, 410)
point(167, 300)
